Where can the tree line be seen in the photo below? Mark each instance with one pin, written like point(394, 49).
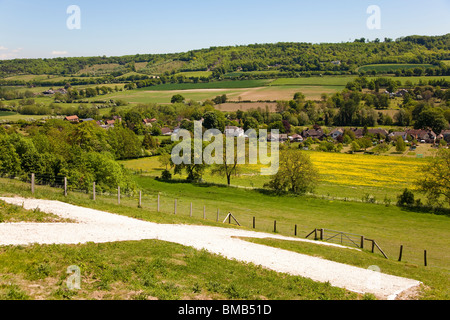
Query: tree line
point(284, 57)
point(83, 153)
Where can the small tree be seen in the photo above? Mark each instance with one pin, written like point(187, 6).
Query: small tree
point(406, 198)
point(178, 98)
point(400, 145)
point(228, 167)
point(355, 147)
point(150, 142)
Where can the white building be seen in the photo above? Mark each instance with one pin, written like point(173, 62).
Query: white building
point(232, 131)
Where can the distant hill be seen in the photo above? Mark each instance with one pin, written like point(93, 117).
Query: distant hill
point(286, 58)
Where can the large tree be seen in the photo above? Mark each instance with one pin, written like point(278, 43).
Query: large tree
point(296, 173)
point(435, 179)
point(431, 118)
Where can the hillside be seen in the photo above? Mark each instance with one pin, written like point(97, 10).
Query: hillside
point(216, 62)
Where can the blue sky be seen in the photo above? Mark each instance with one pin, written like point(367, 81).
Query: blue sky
point(37, 29)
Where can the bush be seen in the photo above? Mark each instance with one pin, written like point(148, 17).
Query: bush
point(166, 175)
point(406, 198)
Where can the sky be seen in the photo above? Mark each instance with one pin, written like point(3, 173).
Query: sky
point(39, 29)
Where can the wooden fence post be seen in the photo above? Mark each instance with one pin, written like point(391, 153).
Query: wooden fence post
point(118, 194)
point(93, 191)
point(254, 222)
point(158, 201)
point(32, 183)
point(295, 230)
point(65, 186)
point(140, 199)
point(401, 253)
point(175, 207)
point(275, 226)
point(362, 242)
point(321, 234)
point(425, 257)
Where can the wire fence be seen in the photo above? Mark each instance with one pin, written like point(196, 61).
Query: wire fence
point(154, 201)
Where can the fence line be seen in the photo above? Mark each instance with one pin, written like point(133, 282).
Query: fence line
point(163, 205)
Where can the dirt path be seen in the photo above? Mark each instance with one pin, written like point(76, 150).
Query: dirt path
point(97, 226)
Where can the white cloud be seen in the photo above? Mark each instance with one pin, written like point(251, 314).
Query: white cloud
point(6, 54)
point(59, 53)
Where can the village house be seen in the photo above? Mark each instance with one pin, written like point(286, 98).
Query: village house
point(48, 92)
point(378, 132)
point(395, 135)
point(446, 135)
point(313, 134)
point(147, 122)
point(296, 138)
point(166, 131)
point(72, 119)
point(424, 136)
point(233, 131)
point(110, 123)
point(277, 137)
point(359, 133)
point(336, 133)
point(87, 120)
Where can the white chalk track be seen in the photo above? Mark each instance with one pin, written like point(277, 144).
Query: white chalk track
point(100, 227)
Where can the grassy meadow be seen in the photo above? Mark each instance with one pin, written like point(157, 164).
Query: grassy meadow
point(341, 175)
point(389, 68)
point(390, 226)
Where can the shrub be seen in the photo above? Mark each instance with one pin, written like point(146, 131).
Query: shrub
point(166, 175)
point(406, 198)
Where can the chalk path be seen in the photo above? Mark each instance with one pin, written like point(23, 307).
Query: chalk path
point(100, 227)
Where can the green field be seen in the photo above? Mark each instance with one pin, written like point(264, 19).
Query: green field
point(209, 85)
point(315, 81)
point(390, 68)
point(390, 226)
point(342, 175)
point(199, 74)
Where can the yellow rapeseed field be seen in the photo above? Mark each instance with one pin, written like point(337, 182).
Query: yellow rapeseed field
point(366, 170)
point(351, 170)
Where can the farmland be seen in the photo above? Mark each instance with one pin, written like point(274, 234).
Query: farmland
point(341, 85)
point(341, 175)
point(391, 68)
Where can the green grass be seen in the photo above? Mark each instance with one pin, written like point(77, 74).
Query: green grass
point(431, 277)
point(210, 85)
point(7, 113)
point(14, 117)
point(198, 74)
point(315, 81)
point(363, 174)
point(148, 269)
point(10, 214)
point(389, 226)
point(390, 68)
